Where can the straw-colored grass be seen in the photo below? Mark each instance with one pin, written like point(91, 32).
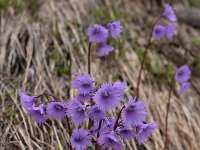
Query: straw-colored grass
point(41, 53)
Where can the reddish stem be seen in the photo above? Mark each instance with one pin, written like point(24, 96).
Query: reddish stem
point(70, 132)
point(89, 56)
point(89, 72)
point(143, 60)
point(118, 117)
point(167, 114)
point(98, 132)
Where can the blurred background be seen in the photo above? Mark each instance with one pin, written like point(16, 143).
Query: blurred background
point(43, 44)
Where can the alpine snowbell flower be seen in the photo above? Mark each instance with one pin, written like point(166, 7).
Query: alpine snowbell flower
point(126, 133)
point(170, 30)
point(134, 112)
point(82, 97)
point(37, 113)
point(96, 114)
point(184, 87)
point(84, 83)
point(56, 110)
point(104, 50)
point(169, 13)
point(144, 131)
point(159, 31)
point(80, 139)
point(182, 74)
point(109, 140)
point(27, 101)
point(115, 28)
point(97, 33)
point(107, 96)
point(76, 111)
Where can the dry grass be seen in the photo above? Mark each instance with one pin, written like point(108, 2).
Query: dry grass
point(42, 53)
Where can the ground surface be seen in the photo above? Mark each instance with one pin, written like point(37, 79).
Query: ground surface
point(43, 45)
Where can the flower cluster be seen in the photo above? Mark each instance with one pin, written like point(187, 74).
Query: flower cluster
point(99, 34)
point(108, 132)
point(39, 114)
point(182, 76)
point(160, 30)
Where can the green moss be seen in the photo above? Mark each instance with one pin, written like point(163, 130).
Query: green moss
point(195, 3)
point(197, 63)
point(10, 111)
point(195, 41)
point(60, 66)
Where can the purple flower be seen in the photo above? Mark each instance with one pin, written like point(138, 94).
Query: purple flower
point(109, 140)
point(106, 126)
point(126, 133)
point(184, 87)
point(84, 83)
point(83, 97)
point(159, 31)
point(120, 87)
point(182, 74)
point(104, 50)
point(27, 101)
point(108, 96)
point(144, 131)
point(115, 28)
point(56, 110)
point(97, 33)
point(76, 111)
point(37, 113)
point(80, 139)
point(96, 114)
point(134, 112)
point(169, 13)
point(170, 30)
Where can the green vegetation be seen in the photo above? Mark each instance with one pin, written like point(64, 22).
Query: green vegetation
point(195, 3)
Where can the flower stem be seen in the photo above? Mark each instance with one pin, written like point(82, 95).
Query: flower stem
point(167, 113)
point(89, 72)
point(70, 132)
point(143, 60)
point(89, 57)
point(98, 132)
point(119, 115)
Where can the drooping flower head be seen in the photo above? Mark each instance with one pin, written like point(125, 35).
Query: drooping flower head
point(126, 133)
point(82, 97)
point(76, 111)
point(109, 140)
point(97, 33)
point(27, 101)
point(104, 50)
point(184, 87)
point(37, 113)
point(84, 83)
point(56, 110)
point(159, 31)
point(115, 28)
point(144, 131)
point(169, 13)
point(170, 30)
point(108, 96)
point(182, 74)
point(134, 112)
point(80, 139)
point(96, 114)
